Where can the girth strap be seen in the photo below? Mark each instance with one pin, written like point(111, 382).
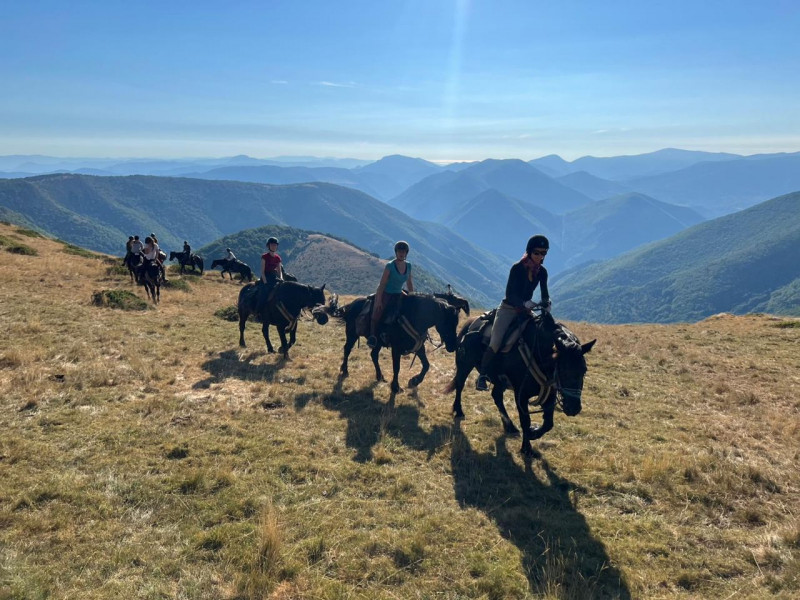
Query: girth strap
point(545, 385)
point(409, 329)
point(292, 322)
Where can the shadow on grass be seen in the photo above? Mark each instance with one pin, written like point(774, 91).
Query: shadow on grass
point(561, 557)
point(369, 419)
point(228, 364)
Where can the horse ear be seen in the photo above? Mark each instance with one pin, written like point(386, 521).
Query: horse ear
point(323, 287)
point(587, 347)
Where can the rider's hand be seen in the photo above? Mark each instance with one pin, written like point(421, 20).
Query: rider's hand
point(546, 306)
point(529, 304)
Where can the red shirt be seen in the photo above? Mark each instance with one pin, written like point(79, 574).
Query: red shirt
point(272, 263)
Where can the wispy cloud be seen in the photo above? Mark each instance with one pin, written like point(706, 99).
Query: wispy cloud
point(349, 84)
point(279, 82)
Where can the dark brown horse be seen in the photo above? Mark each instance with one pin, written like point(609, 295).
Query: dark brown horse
point(547, 361)
point(281, 309)
point(193, 260)
point(233, 266)
point(407, 334)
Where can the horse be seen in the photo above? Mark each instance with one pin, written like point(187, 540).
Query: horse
point(453, 300)
point(547, 360)
point(193, 260)
point(281, 309)
point(233, 266)
point(134, 264)
point(149, 275)
point(407, 334)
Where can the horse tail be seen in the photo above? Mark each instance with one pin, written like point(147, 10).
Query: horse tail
point(450, 387)
point(201, 264)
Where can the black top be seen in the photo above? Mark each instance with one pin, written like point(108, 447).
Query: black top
point(519, 288)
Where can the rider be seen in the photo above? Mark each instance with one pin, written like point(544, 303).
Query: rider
point(151, 253)
point(230, 256)
point(271, 271)
point(523, 278)
point(187, 250)
point(128, 245)
point(390, 290)
point(136, 247)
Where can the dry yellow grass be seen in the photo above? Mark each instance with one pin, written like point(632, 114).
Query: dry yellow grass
point(145, 455)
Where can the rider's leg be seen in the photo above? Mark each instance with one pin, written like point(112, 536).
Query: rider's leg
point(504, 316)
point(377, 313)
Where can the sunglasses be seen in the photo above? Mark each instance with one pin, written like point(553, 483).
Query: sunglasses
point(539, 253)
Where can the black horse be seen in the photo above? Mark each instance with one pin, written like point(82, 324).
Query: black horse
point(193, 260)
point(547, 361)
point(148, 274)
point(233, 266)
point(407, 334)
point(281, 310)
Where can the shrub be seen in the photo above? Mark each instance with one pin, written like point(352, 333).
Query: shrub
point(121, 299)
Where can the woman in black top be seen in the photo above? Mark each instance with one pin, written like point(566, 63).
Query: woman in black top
point(523, 279)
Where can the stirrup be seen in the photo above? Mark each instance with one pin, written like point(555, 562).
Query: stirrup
point(372, 341)
point(482, 384)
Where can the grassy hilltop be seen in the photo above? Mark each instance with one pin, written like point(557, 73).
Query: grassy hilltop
point(143, 454)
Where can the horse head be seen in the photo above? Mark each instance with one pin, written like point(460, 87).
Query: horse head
point(570, 367)
point(457, 301)
point(317, 296)
point(447, 325)
point(172, 255)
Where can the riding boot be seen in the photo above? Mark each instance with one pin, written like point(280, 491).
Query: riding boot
point(486, 370)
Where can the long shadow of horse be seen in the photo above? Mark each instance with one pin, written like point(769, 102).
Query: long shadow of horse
point(228, 364)
point(561, 558)
point(369, 418)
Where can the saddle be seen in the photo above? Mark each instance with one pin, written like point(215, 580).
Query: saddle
point(484, 325)
point(389, 316)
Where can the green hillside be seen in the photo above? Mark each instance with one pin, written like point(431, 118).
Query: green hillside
point(101, 212)
point(315, 258)
point(744, 262)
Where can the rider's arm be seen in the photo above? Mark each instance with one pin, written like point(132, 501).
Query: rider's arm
point(263, 270)
point(410, 282)
point(543, 286)
point(514, 290)
point(382, 286)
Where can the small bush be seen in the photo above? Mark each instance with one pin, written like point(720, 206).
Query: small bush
point(229, 313)
point(121, 299)
point(177, 284)
point(788, 324)
point(15, 247)
point(29, 233)
point(78, 251)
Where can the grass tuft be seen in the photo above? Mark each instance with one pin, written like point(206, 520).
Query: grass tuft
point(120, 299)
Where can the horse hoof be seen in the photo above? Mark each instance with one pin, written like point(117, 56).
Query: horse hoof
point(458, 414)
point(396, 389)
point(414, 382)
point(526, 449)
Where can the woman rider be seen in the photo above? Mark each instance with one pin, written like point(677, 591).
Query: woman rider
point(523, 278)
point(390, 290)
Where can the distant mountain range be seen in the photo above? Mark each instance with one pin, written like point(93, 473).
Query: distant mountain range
point(745, 262)
point(439, 195)
point(100, 212)
point(315, 258)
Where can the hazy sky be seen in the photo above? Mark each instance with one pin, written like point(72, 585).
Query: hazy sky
point(438, 79)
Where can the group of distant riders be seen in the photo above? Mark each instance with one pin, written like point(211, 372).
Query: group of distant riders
point(525, 276)
point(139, 256)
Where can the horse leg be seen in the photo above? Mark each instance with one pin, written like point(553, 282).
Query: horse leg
point(423, 359)
point(524, 423)
point(265, 332)
point(350, 341)
point(548, 408)
point(508, 424)
point(395, 386)
point(374, 355)
point(284, 345)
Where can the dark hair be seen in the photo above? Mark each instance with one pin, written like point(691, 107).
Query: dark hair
point(136, 237)
point(401, 245)
point(272, 240)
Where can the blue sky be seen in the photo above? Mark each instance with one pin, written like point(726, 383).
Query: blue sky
point(442, 80)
